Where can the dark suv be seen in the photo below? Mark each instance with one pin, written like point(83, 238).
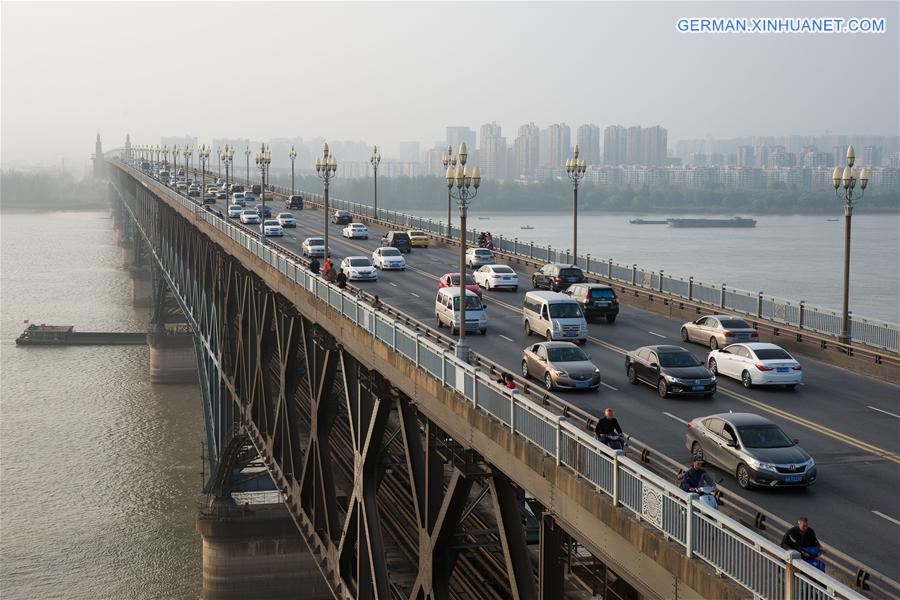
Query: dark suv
point(294, 202)
point(557, 277)
point(341, 217)
point(398, 239)
point(596, 300)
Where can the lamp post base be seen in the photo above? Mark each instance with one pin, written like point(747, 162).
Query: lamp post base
point(462, 351)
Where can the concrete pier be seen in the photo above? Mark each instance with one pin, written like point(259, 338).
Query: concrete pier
point(141, 287)
point(255, 551)
point(172, 358)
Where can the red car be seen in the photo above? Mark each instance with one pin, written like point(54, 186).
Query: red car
point(452, 280)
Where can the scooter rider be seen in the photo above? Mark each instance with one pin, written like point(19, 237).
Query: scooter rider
point(609, 431)
point(695, 476)
point(802, 538)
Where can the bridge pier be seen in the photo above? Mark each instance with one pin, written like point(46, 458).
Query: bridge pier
point(172, 357)
point(255, 551)
point(141, 287)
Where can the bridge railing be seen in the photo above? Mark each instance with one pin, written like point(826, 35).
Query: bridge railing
point(734, 550)
point(792, 313)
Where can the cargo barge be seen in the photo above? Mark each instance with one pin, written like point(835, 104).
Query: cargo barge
point(648, 221)
point(733, 222)
point(65, 335)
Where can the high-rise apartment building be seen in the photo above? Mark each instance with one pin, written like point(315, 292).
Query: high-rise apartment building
point(654, 146)
point(492, 152)
point(527, 151)
point(633, 145)
point(746, 156)
point(614, 138)
point(458, 135)
point(560, 145)
point(408, 152)
point(871, 156)
point(588, 139)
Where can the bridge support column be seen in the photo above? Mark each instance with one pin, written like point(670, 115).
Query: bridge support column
point(256, 551)
point(141, 287)
point(172, 357)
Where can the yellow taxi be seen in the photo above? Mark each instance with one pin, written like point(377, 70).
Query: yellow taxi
point(181, 185)
point(417, 239)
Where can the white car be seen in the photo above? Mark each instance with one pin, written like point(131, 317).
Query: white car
point(272, 227)
point(497, 276)
point(286, 220)
point(389, 258)
point(477, 257)
point(238, 198)
point(756, 363)
point(313, 247)
point(234, 211)
point(355, 230)
point(359, 268)
point(250, 217)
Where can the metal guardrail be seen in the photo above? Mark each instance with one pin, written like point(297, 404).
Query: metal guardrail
point(754, 563)
point(780, 311)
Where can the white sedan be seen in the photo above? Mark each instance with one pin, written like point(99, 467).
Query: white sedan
point(286, 220)
point(497, 276)
point(235, 210)
point(389, 258)
point(250, 217)
point(313, 247)
point(756, 363)
point(271, 227)
point(359, 268)
point(355, 230)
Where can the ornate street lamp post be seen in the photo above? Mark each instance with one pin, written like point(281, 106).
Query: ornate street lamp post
point(228, 159)
point(203, 154)
point(247, 153)
point(575, 169)
point(375, 160)
point(326, 168)
point(844, 187)
point(292, 155)
point(188, 154)
point(449, 161)
point(263, 160)
point(173, 176)
point(466, 183)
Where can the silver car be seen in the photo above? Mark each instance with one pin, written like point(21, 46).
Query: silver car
point(718, 331)
point(751, 447)
point(477, 257)
point(560, 365)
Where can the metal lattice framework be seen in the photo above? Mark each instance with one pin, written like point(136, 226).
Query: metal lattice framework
point(382, 496)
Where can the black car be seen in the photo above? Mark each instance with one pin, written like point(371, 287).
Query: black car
point(294, 202)
point(596, 300)
point(397, 239)
point(672, 370)
point(256, 190)
point(557, 277)
point(341, 217)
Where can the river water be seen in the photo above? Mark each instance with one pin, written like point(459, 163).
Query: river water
point(797, 257)
point(99, 469)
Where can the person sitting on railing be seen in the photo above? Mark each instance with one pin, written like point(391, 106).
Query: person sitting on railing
point(314, 266)
point(694, 476)
point(507, 380)
point(609, 431)
point(802, 538)
point(360, 297)
point(376, 303)
point(341, 280)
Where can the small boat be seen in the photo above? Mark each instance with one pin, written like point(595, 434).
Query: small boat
point(526, 227)
point(484, 218)
point(647, 222)
point(832, 219)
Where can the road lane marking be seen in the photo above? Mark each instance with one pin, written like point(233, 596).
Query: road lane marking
point(883, 411)
point(657, 335)
point(606, 385)
point(506, 338)
point(884, 516)
point(679, 419)
point(415, 294)
point(392, 283)
point(826, 431)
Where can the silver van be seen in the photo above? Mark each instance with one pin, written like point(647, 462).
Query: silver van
point(446, 311)
point(554, 316)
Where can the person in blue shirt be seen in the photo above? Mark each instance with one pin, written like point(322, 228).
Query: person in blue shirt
point(694, 477)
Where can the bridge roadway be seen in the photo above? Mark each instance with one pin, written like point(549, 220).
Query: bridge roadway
point(853, 505)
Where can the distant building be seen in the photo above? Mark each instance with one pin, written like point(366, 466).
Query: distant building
point(560, 145)
point(746, 156)
point(654, 146)
point(98, 157)
point(871, 156)
point(492, 152)
point(409, 152)
point(433, 160)
point(633, 145)
point(458, 135)
point(527, 151)
point(614, 138)
point(180, 141)
point(588, 139)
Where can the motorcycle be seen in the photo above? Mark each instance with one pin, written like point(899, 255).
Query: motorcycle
point(708, 493)
point(616, 441)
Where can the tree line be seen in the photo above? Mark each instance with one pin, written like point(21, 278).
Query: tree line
point(50, 190)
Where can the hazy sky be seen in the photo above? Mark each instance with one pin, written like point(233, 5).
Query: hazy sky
point(386, 72)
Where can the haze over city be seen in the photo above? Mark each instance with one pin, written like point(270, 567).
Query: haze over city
point(390, 72)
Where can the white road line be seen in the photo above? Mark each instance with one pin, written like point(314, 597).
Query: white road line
point(884, 411)
point(679, 419)
point(884, 516)
point(415, 294)
point(392, 283)
point(506, 338)
point(606, 385)
point(656, 334)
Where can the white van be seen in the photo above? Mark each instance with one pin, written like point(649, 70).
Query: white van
point(446, 310)
point(554, 316)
